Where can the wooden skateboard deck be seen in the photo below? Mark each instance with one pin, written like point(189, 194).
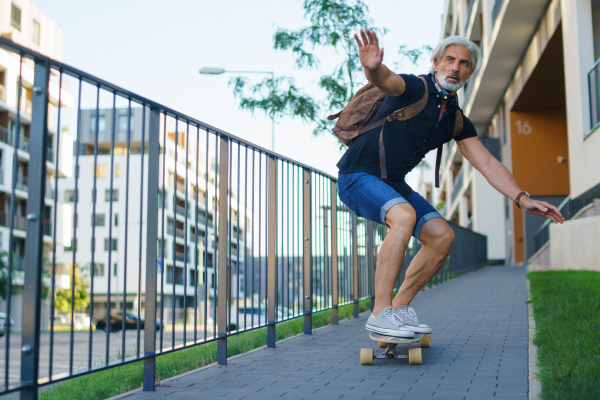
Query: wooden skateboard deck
point(390, 343)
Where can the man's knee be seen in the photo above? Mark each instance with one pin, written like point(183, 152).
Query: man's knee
point(437, 233)
point(401, 216)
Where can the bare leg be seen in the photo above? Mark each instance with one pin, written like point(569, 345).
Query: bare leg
point(401, 220)
point(437, 238)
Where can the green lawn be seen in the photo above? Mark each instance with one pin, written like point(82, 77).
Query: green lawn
point(566, 306)
point(114, 381)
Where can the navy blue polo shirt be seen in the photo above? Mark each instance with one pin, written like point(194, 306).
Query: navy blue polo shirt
point(405, 142)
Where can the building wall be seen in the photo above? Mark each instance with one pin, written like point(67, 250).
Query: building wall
point(579, 59)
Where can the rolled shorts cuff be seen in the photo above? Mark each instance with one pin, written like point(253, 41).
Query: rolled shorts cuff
point(387, 206)
point(425, 218)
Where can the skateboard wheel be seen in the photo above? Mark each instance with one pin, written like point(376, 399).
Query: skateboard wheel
point(382, 345)
point(425, 340)
point(366, 356)
point(414, 356)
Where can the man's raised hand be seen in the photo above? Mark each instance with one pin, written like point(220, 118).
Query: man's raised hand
point(371, 56)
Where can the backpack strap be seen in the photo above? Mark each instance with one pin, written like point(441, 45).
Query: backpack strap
point(401, 115)
point(458, 125)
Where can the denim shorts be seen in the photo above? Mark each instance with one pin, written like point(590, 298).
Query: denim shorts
point(370, 197)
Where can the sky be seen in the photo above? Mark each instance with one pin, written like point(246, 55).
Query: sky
point(155, 49)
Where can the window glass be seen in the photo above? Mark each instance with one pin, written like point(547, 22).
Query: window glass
point(99, 269)
point(36, 32)
point(114, 244)
point(123, 123)
point(115, 195)
point(101, 123)
point(100, 171)
point(100, 220)
point(15, 17)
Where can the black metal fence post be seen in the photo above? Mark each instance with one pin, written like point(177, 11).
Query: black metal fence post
point(355, 293)
point(334, 257)
point(307, 251)
point(33, 267)
point(223, 275)
point(151, 252)
point(271, 249)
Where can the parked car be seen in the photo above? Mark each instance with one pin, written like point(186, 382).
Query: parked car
point(116, 322)
point(3, 323)
point(81, 321)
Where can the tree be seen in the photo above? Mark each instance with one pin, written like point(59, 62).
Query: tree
point(333, 24)
point(62, 301)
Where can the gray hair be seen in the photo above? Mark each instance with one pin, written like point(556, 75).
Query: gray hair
point(440, 49)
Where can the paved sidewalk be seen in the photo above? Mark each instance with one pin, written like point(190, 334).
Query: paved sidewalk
point(479, 351)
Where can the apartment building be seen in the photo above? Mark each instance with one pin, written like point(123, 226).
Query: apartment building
point(535, 105)
point(111, 226)
point(23, 23)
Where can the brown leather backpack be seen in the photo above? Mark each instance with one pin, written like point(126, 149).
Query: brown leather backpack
point(352, 120)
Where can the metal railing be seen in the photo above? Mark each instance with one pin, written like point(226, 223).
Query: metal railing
point(568, 208)
point(469, 11)
point(496, 11)
point(299, 249)
point(594, 93)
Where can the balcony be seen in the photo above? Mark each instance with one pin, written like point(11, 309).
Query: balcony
point(50, 155)
point(178, 232)
point(2, 93)
point(49, 192)
point(179, 256)
point(48, 228)
point(458, 184)
point(22, 183)
point(181, 210)
point(19, 222)
point(493, 145)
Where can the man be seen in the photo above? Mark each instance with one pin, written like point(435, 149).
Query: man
point(391, 200)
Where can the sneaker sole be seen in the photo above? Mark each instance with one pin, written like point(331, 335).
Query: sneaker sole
point(390, 332)
point(416, 329)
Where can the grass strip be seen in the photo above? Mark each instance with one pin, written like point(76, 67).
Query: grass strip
point(566, 307)
point(117, 380)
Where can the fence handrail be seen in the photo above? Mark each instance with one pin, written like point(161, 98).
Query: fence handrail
point(143, 101)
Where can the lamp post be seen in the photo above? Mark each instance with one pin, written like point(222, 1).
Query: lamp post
point(219, 71)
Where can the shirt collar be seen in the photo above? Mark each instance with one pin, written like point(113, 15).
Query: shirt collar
point(430, 83)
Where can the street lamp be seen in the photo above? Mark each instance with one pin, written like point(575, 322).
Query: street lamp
point(219, 71)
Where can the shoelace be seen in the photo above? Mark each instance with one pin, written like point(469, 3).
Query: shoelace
point(391, 316)
point(410, 313)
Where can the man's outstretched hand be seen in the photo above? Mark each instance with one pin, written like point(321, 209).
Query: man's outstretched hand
point(371, 56)
point(542, 208)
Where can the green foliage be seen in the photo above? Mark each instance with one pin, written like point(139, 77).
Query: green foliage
point(332, 25)
point(565, 306)
point(62, 301)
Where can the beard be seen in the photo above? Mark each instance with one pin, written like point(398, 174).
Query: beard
point(451, 86)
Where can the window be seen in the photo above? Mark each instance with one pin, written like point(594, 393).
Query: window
point(178, 275)
point(100, 220)
point(117, 170)
point(192, 278)
point(92, 247)
point(115, 195)
point(70, 196)
point(116, 219)
point(93, 195)
point(36, 32)
point(114, 244)
point(72, 246)
point(76, 218)
point(100, 171)
point(99, 269)
point(115, 269)
point(101, 124)
point(15, 17)
point(123, 123)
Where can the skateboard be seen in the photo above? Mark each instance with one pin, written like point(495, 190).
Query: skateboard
point(390, 342)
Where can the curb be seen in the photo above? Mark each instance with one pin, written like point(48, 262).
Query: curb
point(535, 386)
point(214, 365)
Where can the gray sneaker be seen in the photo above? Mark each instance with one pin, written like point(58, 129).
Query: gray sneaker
point(386, 323)
point(408, 316)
